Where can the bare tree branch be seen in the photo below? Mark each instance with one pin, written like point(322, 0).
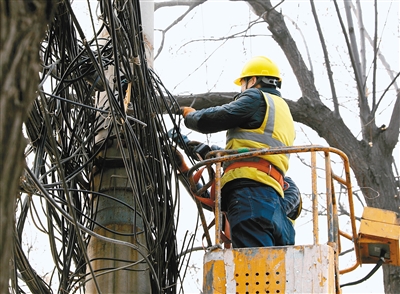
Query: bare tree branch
point(353, 53)
point(358, 13)
point(173, 3)
point(327, 62)
point(374, 63)
point(380, 55)
point(191, 4)
point(392, 132)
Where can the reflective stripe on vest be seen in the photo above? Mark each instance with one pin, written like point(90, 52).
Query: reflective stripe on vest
point(263, 134)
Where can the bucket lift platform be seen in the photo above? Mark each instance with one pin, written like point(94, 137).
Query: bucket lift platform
point(294, 269)
point(288, 269)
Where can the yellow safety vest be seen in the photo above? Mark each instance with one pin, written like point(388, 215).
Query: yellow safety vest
point(277, 130)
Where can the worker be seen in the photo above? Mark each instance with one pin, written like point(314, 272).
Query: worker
point(252, 188)
point(291, 202)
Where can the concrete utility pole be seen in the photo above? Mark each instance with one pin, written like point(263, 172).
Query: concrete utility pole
point(118, 268)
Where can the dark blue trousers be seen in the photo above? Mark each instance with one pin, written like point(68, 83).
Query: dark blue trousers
point(257, 218)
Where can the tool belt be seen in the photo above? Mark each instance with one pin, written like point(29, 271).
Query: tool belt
point(262, 165)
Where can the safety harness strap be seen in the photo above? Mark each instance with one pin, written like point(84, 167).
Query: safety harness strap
point(262, 165)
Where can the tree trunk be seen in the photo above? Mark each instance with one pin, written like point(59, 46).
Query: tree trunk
point(23, 26)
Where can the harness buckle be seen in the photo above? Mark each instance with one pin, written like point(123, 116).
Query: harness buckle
point(269, 169)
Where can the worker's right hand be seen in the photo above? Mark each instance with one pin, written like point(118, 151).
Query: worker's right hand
point(186, 110)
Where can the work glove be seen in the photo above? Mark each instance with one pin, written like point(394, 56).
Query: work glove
point(199, 148)
point(186, 110)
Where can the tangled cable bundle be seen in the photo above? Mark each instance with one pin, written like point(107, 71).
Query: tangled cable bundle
point(97, 131)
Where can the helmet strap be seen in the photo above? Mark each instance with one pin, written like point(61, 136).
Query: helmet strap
point(265, 80)
point(270, 81)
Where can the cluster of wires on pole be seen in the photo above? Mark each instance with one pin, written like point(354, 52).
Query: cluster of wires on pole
point(99, 159)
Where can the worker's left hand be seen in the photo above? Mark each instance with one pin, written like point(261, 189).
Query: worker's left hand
point(199, 148)
point(192, 145)
point(186, 110)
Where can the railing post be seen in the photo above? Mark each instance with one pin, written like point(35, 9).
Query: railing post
point(314, 197)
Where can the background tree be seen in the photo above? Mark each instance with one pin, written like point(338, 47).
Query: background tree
point(23, 26)
point(370, 152)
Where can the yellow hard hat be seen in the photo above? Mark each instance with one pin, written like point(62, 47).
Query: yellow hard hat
point(259, 66)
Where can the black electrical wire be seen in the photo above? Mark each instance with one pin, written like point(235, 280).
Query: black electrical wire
point(64, 154)
point(373, 271)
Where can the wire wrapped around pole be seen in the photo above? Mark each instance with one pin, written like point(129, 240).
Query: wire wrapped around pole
point(64, 155)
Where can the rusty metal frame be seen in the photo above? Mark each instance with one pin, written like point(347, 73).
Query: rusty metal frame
point(218, 157)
